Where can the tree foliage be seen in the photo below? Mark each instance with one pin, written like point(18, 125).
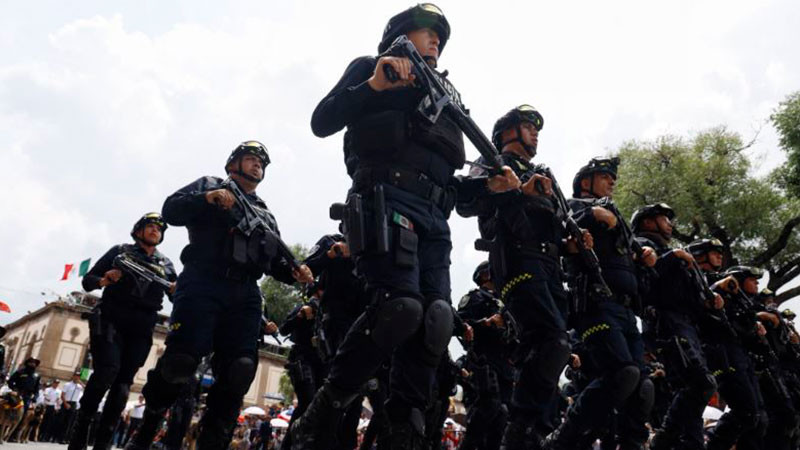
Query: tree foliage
point(708, 179)
point(286, 388)
point(281, 298)
point(786, 120)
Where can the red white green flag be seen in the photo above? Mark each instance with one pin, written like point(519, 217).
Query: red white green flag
point(69, 269)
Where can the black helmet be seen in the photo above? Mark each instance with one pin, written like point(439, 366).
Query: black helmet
point(596, 165)
point(513, 118)
point(483, 268)
point(788, 314)
point(423, 15)
point(742, 272)
point(704, 246)
point(249, 148)
point(647, 211)
point(152, 217)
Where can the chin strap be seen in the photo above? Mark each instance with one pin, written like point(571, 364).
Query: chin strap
point(247, 177)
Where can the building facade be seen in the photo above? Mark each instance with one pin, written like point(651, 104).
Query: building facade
point(58, 336)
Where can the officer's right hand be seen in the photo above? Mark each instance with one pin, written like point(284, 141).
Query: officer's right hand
point(507, 180)
point(684, 255)
point(111, 277)
point(649, 257)
point(306, 312)
point(532, 186)
point(728, 284)
point(221, 197)
point(718, 302)
point(402, 66)
point(605, 216)
point(496, 321)
point(339, 249)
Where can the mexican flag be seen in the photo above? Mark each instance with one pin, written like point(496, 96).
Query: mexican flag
point(69, 269)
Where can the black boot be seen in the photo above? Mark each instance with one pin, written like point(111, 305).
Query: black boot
point(146, 432)
point(79, 439)
point(520, 435)
point(316, 428)
point(215, 433)
point(566, 437)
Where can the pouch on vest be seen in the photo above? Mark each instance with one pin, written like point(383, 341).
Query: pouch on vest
point(385, 132)
point(405, 247)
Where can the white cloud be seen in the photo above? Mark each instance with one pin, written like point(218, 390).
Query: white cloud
point(104, 112)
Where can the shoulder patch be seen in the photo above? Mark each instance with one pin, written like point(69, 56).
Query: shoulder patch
point(464, 301)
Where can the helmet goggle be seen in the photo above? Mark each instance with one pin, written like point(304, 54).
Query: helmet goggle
point(530, 114)
point(254, 148)
point(604, 163)
point(431, 8)
point(154, 218)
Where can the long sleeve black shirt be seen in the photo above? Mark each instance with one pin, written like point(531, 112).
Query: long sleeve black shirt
point(210, 228)
point(124, 301)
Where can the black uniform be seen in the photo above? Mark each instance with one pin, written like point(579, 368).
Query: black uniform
point(25, 381)
point(733, 369)
point(612, 342)
point(528, 241)
point(679, 311)
point(304, 366)
point(492, 373)
point(341, 302)
point(217, 307)
point(121, 334)
point(392, 154)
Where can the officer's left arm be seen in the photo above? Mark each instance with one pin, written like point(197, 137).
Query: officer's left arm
point(172, 276)
point(91, 280)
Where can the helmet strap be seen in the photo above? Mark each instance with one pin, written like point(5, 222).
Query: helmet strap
point(247, 177)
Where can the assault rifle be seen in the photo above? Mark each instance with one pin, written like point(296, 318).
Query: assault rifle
point(635, 245)
point(441, 100)
point(707, 296)
point(142, 272)
point(588, 255)
point(252, 221)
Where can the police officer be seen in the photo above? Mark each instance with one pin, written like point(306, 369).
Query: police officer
point(304, 366)
point(402, 169)
point(218, 303)
point(527, 242)
point(25, 381)
point(121, 326)
point(679, 311)
point(749, 319)
point(728, 360)
point(607, 324)
point(491, 373)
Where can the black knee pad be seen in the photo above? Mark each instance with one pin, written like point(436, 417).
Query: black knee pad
point(177, 368)
point(625, 381)
point(395, 320)
point(241, 373)
point(647, 396)
point(550, 358)
point(438, 329)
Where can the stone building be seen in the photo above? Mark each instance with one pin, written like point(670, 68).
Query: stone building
point(58, 336)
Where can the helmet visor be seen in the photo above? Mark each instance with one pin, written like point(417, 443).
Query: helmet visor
point(530, 114)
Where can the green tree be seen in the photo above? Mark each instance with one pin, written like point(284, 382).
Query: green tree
point(786, 120)
point(286, 388)
point(708, 179)
point(280, 298)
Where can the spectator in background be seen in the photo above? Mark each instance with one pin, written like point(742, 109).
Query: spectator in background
point(52, 403)
point(70, 395)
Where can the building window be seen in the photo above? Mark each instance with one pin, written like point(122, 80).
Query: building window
point(73, 333)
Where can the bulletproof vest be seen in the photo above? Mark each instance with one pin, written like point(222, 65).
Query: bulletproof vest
point(392, 130)
point(253, 253)
point(653, 240)
point(611, 246)
point(147, 296)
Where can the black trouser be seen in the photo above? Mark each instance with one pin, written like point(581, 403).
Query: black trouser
point(781, 413)
point(305, 371)
point(67, 420)
point(210, 313)
point(417, 266)
point(536, 298)
point(48, 423)
point(488, 414)
point(377, 430)
point(738, 386)
point(180, 418)
point(686, 362)
point(116, 356)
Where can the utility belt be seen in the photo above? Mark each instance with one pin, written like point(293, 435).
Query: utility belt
point(625, 300)
point(233, 273)
point(548, 249)
point(411, 181)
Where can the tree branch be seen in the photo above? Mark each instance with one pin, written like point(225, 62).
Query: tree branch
point(779, 243)
point(642, 197)
point(787, 295)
